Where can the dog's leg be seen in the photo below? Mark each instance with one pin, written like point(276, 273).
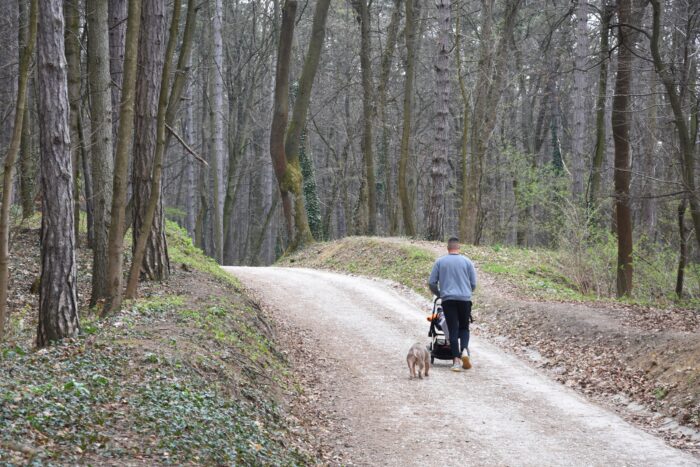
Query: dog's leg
point(411, 368)
point(427, 365)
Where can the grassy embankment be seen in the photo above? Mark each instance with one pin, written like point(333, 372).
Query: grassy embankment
point(532, 273)
point(186, 374)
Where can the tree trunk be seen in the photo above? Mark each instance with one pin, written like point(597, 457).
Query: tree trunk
point(27, 159)
point(155, 264)
point(362, 9)
point(683, 249)
point(464, 140)
point(438, 173)
point(121, 163)
point(600, 140)
point(71, 13)
point(410, 36)
point(58, 300)
point(386, 192)
point(101, 141)
point(154, 202)
point(117, 32)
point(25, 58)
point(216, 82)
point(284, 148)
point(578, 136)
point(292, 139)
point(281, 111)
point(620, 129)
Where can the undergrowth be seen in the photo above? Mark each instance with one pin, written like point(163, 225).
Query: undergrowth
point(188, 374)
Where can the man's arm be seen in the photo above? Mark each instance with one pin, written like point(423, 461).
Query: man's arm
point(472, 274)
point(433, 280)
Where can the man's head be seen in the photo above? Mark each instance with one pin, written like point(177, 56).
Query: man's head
point(453, 245)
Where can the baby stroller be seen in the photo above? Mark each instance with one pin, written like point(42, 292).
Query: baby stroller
point(439, 335)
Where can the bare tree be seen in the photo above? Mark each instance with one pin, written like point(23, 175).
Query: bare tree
point(438, 172)
point(101, 141)
point(156, 265)
point(121, 161)
point(58, 300)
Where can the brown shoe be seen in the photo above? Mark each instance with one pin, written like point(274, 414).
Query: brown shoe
point(466, 363)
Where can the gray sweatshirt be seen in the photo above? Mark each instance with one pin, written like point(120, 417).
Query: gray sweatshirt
point(453, 278)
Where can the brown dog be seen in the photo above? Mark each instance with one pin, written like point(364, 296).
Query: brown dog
point(418, 356)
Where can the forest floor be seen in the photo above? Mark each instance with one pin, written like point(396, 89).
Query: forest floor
point(350, 336)
point(187, 374)
point(640, 361)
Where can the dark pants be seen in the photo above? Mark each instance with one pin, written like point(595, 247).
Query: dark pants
point(457, 315)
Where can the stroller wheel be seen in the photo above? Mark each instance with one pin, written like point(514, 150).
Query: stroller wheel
point(432, 360)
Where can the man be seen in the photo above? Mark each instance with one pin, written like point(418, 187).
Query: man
point(453, 279)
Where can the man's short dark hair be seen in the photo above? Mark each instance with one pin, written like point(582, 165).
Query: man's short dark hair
point(453, 240)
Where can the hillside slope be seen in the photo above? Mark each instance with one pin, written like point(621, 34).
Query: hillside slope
point(189, 374)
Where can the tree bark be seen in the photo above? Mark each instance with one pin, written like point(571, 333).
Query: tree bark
point(121, 162)
point(410, 37)
point(101, 141)
point(156, 265)
point(71, 14)
point(281, 111)
point(155, 199)
point(58, 300)
point(438, 173)
point(117, 32)
point(28, 42)
point(621, 129)
point(297, 124)
point(216, 83)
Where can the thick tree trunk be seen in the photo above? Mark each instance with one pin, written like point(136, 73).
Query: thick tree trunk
point(621, 129)
point(20, 119)
point(58, 300)
point(216, 83)
point(298, 123)
point(154, 202)
point(156, 265)
point(438, 173)
point(117, 32)
point(410, 36)
point(121, 162)
point(281, 111)
point(101, 141)
point(600, 140)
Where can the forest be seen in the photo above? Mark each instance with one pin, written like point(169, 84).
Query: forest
point(263, 126)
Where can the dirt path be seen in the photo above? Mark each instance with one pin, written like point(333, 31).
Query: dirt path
point(502, 412)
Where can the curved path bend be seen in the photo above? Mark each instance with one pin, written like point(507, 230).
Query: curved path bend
point(500, 413)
